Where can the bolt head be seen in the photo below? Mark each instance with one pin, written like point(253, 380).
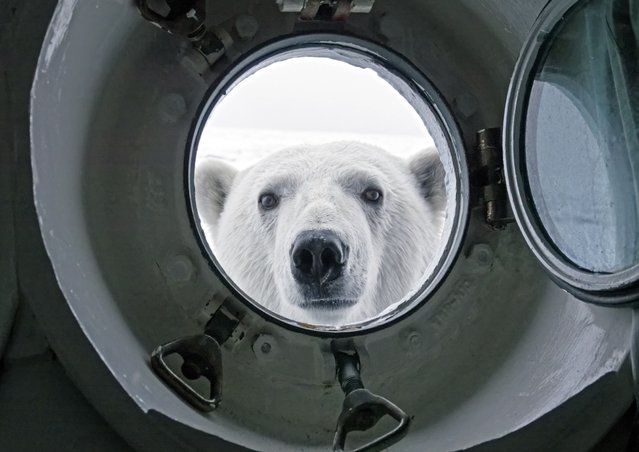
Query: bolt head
point(414, 341)
point(179, 269)
point(172, 108)
point(265, 347)
point(246, 27)
point(482, 257)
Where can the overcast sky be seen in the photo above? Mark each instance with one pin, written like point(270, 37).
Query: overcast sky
point(317, 94)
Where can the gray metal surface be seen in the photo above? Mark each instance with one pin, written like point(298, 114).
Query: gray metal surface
point(40, 408)
point(488, 361)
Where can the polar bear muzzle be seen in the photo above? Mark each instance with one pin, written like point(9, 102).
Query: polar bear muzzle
point(317, 259)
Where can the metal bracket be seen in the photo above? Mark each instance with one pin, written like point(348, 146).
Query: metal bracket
point(187, 18)
point(202, 357)
point(362, 409)
point(325, 10)
point(184, 18)
point(487, 176)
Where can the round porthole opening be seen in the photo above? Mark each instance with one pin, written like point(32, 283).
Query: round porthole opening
point(327, 184)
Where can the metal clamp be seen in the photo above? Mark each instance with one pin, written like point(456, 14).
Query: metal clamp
point(362, 409)
point(202, 358)
point(184, 18)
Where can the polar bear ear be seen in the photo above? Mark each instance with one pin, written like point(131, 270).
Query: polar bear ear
point(431, 177)
point(213, 180)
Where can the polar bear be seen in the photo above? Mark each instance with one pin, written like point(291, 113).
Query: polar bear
point(328, 234)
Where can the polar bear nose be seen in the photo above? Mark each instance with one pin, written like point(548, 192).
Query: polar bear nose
point(317, 257)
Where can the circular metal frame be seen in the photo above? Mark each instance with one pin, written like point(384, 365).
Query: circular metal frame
point(104, 309)
point(360, 53)
point(619, 288)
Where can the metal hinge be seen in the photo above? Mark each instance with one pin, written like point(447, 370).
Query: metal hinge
point(488, 178)
point(331, 10)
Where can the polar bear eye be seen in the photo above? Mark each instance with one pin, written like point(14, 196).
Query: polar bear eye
point(372, 195)
point(268, 201)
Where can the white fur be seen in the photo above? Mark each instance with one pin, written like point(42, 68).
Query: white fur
point(320, 187)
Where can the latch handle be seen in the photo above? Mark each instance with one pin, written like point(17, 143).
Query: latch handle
point(362, 409)
point(202, 358)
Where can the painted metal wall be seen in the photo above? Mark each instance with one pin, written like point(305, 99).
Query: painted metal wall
point(519, 352)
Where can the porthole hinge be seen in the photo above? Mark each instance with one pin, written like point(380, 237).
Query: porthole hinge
point(325, 10)
point(488, 179)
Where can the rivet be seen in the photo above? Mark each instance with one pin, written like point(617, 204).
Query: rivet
point(466, 105)
point(390, 26)
point(265, 347)
point(482, 257)
point(172, 108)
point(246, 27)
point(179, 269)
point(414, 341)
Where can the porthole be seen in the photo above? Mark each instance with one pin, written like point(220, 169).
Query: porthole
point(572, 136)
point(335, 199)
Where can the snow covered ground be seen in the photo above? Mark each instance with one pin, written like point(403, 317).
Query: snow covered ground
point(244, 147)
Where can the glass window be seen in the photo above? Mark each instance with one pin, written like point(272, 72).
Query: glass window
point(581, 136)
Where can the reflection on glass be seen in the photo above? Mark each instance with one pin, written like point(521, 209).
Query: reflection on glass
point(324, 205)
point(582, 139)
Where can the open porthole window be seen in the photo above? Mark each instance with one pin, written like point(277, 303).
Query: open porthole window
point(326, 180)
point(572, 140)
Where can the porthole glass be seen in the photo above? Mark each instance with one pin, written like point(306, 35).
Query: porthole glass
point(574, 137)
point(325, 185)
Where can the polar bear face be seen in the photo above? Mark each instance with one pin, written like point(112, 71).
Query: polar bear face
point(328, 234)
